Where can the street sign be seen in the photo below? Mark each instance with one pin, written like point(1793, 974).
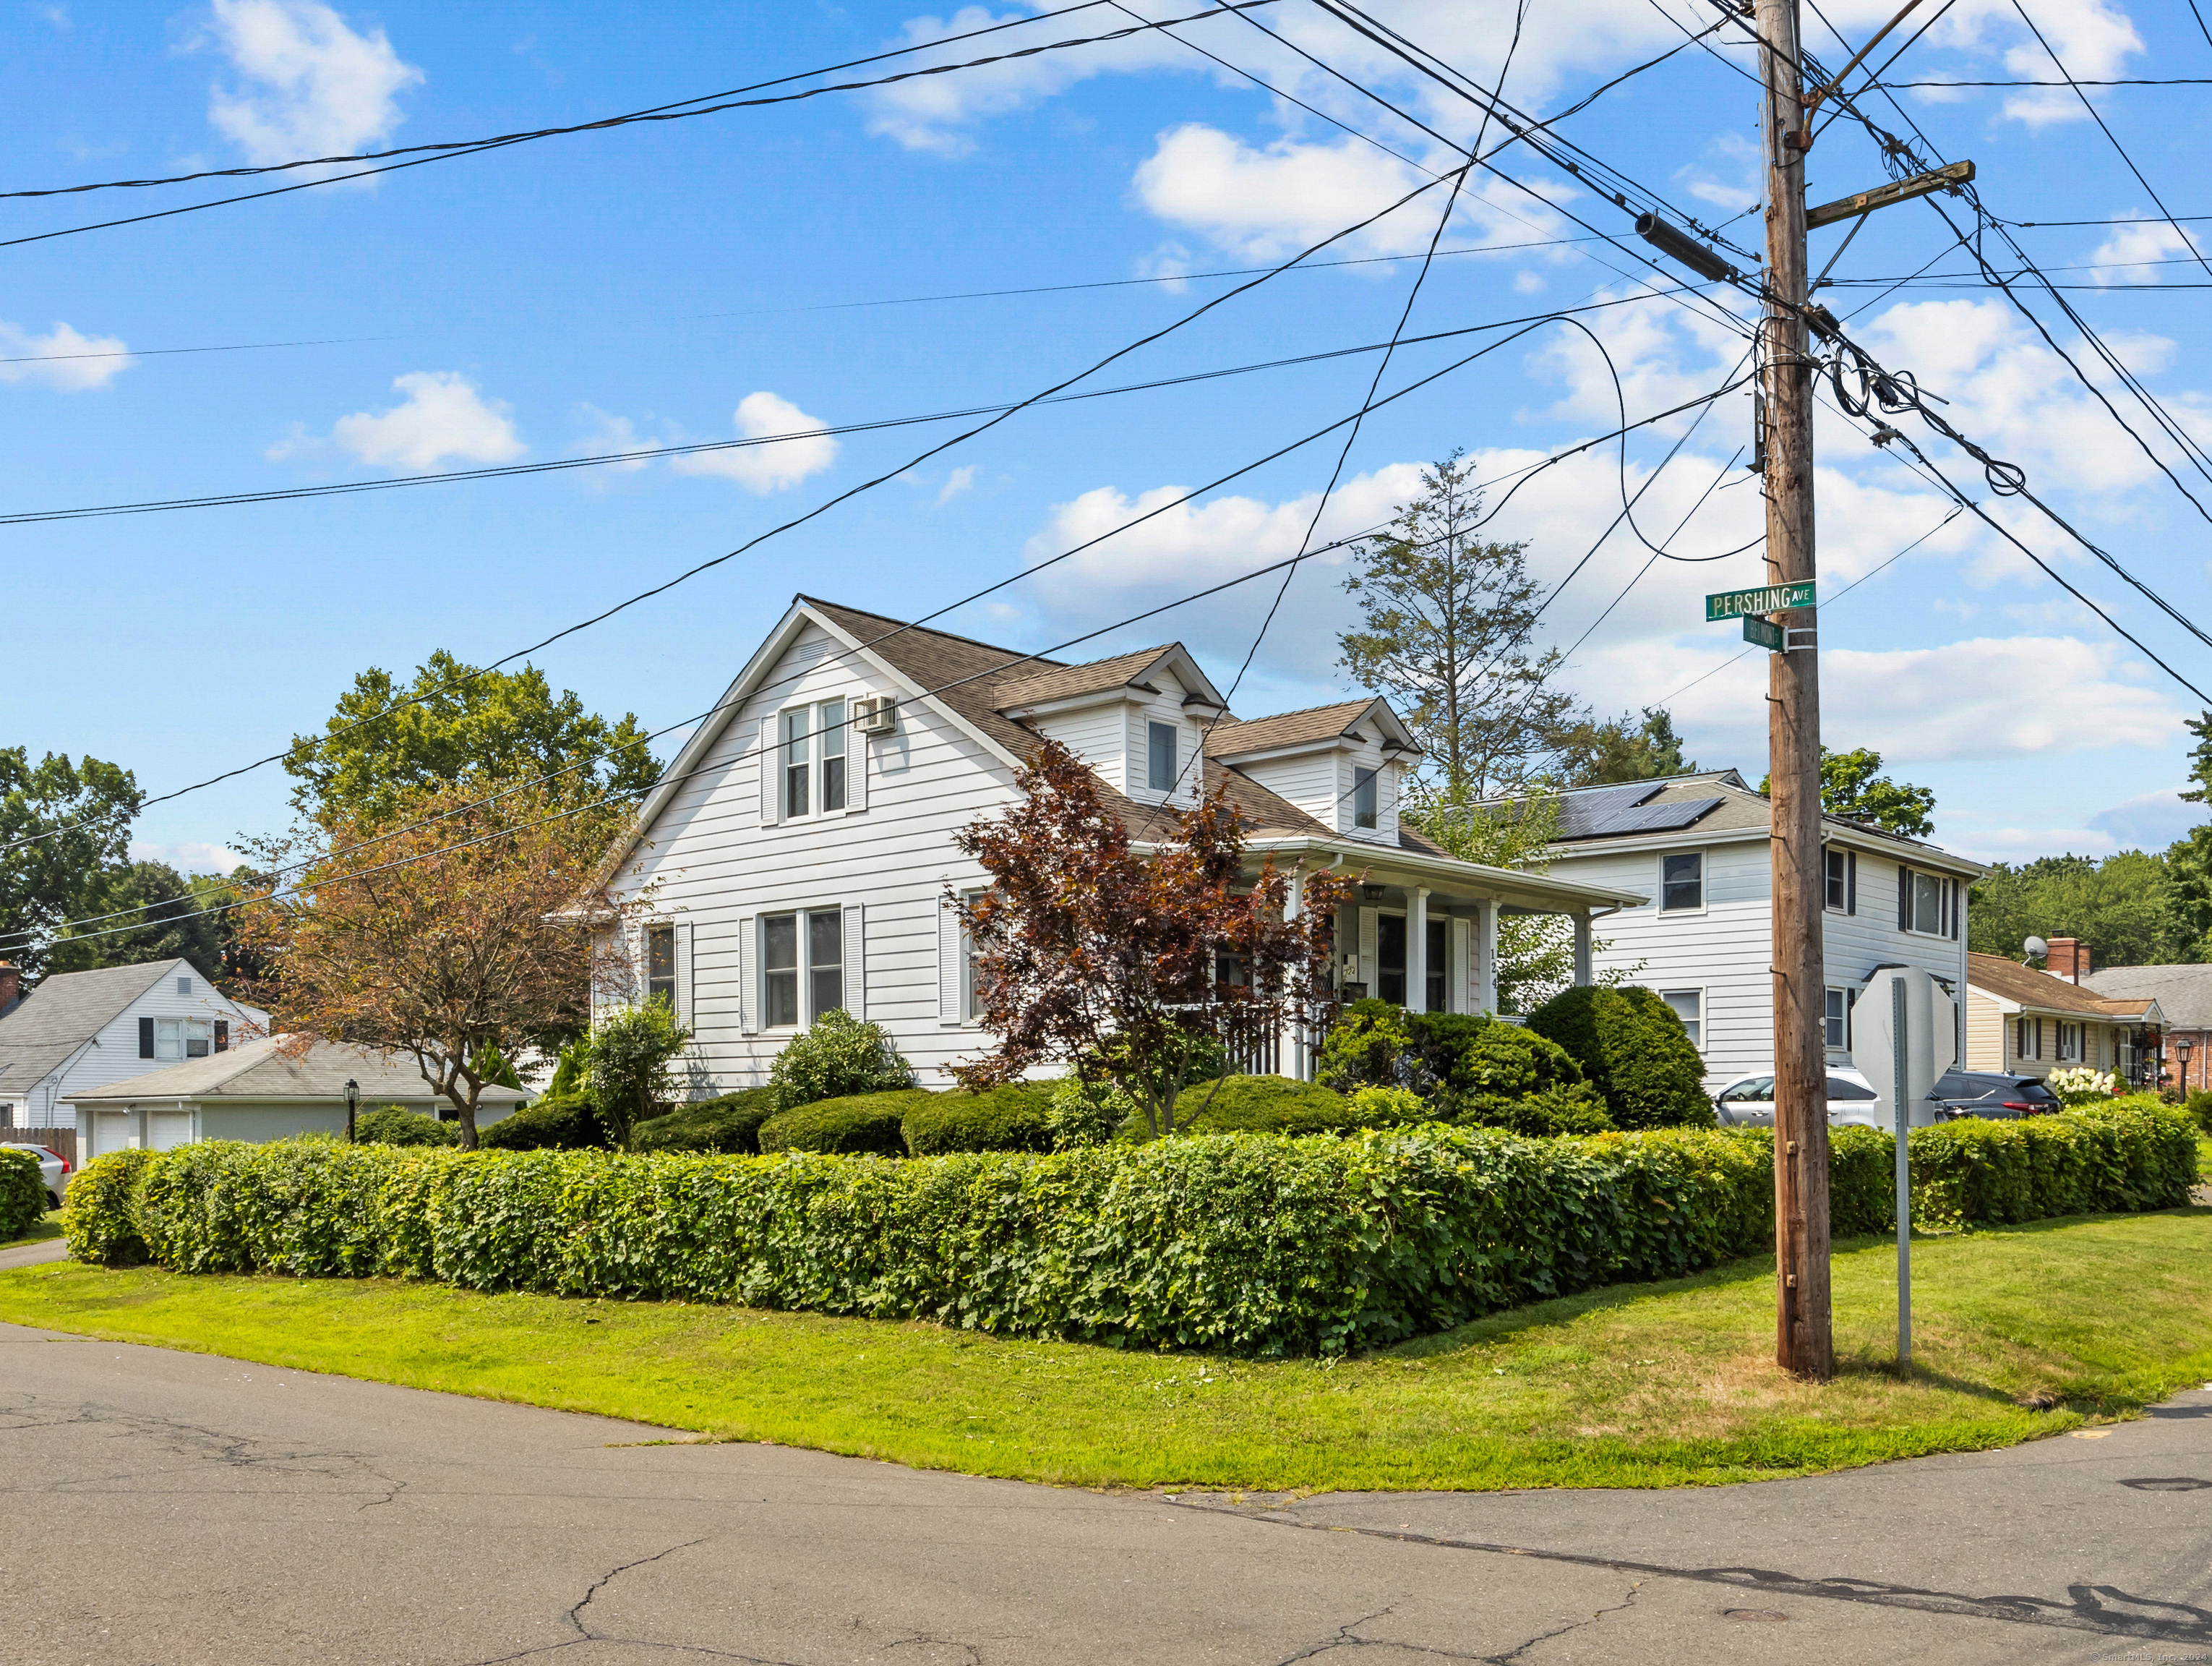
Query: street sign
point(1762, 633)
point(1767, 599)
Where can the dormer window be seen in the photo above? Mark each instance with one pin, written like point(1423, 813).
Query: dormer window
point(1160, 756)
point(1364, 797)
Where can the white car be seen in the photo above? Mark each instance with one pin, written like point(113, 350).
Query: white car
point(1748, 1102)
point(52, 1171)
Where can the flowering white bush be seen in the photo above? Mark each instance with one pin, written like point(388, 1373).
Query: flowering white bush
point(2082, 1085)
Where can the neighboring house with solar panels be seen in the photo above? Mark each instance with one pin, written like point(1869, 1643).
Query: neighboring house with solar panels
point(795, 855)
point(1697, 847)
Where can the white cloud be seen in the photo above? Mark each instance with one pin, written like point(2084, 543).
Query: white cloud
point(442, 419)
point(768, 468)
point(62, 358)
point(960, 480)
point(611, 433)
point(2140, 254)
point(191, 856)
point(2149, 821)
point(314, 85)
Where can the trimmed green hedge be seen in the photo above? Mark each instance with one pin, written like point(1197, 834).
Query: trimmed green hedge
point(731, 1123)
point(2122, 1155)
point(1253, 1245)
point(1012, 1118)
point(566, 1123)
point(396, 1125)
point(859, 1123)
point(22, 1193)
point(1635, 1053)
point(1253, 1105)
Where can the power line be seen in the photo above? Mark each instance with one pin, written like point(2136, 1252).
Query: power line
point(161, 352)
point(2131, 81)
point(664, 113)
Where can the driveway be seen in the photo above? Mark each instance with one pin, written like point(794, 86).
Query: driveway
point(174, 1508)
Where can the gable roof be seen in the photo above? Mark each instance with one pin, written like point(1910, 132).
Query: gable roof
point(67, 1010)
point(2183, 993)
point(1311, 726)
point(264, 1070)
point(2024, 986)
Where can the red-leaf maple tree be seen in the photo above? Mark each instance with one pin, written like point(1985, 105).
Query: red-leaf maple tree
point(460, 928)
point(1090, 952)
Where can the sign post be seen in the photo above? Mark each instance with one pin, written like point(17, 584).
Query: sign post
point(1904, 1119)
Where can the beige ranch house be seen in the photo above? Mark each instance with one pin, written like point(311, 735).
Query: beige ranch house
point(794, 856)
point(2026, 1023)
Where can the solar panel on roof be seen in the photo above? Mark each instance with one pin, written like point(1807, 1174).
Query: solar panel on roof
point(1581, 814)
point(1656, 818)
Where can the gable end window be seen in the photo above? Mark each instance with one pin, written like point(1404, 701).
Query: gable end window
point(660, 964)
point(1364, 797)
point(813, 753)
point(1682, 881)
point(180, 1038)
point(1160, 756)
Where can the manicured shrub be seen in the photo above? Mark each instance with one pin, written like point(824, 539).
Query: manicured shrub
point(100, 1219)
point(22, 1193)
point(1389, 1107)
point(1012, 1118)
point(552, 1124)
point(1088, 1113)
point(396, 1125)
point(730, 1123)
point(858, 1122)
point(1634, 1052)
point(1370, 1045)
point(2200, 1107)
point(1491, 1073)
point(841, 1057)
point(1255, 1104)
point(2124, 1155)
point(1545, 1113)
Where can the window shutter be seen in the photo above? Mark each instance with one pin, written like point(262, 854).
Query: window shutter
point(748, 976)
point(1951, 906)
point(767, 771)
point(1904, 899)
point(1458, 998)
point(855, 951)
point(222, 1035)
point(1367, 948)
point(1851, 882)
point(683, 929)
point(856, 768)
point(145, 1038)
point(949, 969)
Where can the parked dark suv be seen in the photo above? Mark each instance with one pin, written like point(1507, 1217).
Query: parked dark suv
point(1983, 1093)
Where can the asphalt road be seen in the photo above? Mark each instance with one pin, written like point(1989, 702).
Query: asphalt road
point(177, 1508)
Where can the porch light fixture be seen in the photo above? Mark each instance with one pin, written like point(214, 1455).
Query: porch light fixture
point(1372, 893)
point(353, 1104)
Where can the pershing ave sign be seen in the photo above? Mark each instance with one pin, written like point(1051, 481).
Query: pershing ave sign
point(1767, 599)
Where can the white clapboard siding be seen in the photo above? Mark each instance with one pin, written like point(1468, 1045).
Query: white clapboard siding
point(1309, 781)
point(1099, 735)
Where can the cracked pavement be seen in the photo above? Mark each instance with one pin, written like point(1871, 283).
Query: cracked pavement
point(179, 1508)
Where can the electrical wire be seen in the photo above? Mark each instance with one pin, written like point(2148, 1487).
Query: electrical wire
point(163, 352)
point(664, 113)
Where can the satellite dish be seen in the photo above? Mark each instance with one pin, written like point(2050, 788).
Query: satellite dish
point(2036, 948)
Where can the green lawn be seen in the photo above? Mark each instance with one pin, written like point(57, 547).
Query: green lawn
point(1643, 1386)
point(48, 1226)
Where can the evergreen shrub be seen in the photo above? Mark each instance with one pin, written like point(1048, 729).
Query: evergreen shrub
point(557, 1122)
point(841, 1057)
point(396, 1125)
point(1263, 1246)
point(1011, 1117)
point(731, 1123)
point(1495, 1074)
point(2200, 1107)
point(1634, 1052)
point(2120, 1156)
point(858, 1122)
point(22, 1193)
point(1253, 1105)
point(1088, 1113)
point(1370, 1045)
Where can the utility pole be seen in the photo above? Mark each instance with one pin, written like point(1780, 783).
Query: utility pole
point(1804, 1338)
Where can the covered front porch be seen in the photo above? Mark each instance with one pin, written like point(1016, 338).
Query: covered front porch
point(1421, 930)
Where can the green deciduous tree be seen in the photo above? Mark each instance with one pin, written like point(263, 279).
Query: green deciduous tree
point(1590, 753)
point(481, 727)
point(1445, 636)
point(63, 826)
point(2121, 906)
point(1851, 784)
point(168, 923)
point(630, 1059)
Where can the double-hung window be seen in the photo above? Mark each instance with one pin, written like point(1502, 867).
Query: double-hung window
point(1842, 881)
point(814, 755)
point(1364, 797)
point(802, 966)
point(1689, 1006)
point(660, 964)
point(1927, 903)
point(183, 1038)
point(2069, 1043)
point(1682, 881)
point(1836, 1023)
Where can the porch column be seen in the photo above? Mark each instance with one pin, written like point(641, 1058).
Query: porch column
point(1291, 1039)
point(1486, 955)
point(1417, 949)
point(1582, 949)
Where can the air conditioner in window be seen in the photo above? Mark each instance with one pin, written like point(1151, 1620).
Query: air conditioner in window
point(876, 714)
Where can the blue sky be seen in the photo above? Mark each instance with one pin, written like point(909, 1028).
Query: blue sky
point(681, 281)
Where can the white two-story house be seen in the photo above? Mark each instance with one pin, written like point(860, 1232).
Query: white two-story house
point(795, 855)
point(1697, 847)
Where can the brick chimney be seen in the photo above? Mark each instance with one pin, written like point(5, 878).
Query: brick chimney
point(11, 987)
point(2068, 958)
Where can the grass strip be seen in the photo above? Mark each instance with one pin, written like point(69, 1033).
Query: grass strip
point(1651, 1385)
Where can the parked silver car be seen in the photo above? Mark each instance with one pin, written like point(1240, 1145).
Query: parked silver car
point(53, 1170)
point(1748, 1102)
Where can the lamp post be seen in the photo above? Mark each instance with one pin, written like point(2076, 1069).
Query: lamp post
point(353, 1104)
point(2182, 1050)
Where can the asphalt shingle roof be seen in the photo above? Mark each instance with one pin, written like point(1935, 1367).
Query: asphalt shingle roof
point(2183, 993)
point(67, 1010)
point(1997, 976)
point(1285, 728)
point(1062, 682)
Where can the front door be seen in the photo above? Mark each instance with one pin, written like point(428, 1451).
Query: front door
point(1390, 958)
